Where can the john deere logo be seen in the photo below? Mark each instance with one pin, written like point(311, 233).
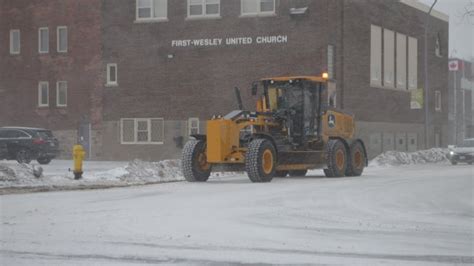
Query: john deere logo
point(331, 121)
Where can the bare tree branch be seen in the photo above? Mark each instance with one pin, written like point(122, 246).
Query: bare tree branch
point(468, 12)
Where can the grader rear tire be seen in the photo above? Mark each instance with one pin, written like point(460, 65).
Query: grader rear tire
point(298, 173)
point(356, 163)
point(194, 162)
point(337, 159)
point(260, 161)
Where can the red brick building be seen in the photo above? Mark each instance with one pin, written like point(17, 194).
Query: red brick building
point(146, 73)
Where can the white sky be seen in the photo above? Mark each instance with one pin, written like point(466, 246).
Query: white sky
point(461, 33)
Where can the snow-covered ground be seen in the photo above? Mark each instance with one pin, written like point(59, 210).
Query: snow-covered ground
point(16, 177)
point(419, 214)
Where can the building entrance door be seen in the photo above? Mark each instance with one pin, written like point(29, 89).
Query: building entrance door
point(84, 137)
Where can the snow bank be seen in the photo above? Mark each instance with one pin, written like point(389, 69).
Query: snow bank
point(163, 171)
point(56, 176)
point(396, 158)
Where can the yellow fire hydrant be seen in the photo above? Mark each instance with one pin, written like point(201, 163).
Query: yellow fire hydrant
point(78, 154)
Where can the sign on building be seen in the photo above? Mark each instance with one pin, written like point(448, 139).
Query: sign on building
point(453, 65)
point(416, 99)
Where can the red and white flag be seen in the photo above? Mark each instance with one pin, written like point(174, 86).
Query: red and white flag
point(453, 65)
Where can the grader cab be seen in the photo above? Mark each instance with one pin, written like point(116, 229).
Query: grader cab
point(290, 132)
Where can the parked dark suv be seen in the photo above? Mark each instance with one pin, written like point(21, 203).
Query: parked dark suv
point(25, 144)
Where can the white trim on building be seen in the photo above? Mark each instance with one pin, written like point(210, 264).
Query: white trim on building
point(62, 44)
point(43, 40)
point(112, 76)
point(61, 94)
point(15, 48)
point(43, 94)
point(151, 10)
point(425, 8)
point(140, 131)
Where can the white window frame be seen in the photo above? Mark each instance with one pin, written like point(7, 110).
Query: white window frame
point(40, 93)
point(412, 78)
point(110, 82)
point(39, 40)
point(258, 12)
point(148, 129)
point(389, 58)
point(152, 18)
point(58, 39)
point(57, 94)
point(438, 47)
point(12, 50)
point(376, 36)
point(330, 61)
point(438, 101)
point(135, 133)
point(401, 61)
point(190, 125)
point(204, 10)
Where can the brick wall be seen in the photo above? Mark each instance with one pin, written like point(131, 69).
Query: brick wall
point(80, 66)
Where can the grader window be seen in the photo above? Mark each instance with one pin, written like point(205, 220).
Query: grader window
point(273, 96)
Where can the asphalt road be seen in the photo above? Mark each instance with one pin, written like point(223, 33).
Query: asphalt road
point(402, 215)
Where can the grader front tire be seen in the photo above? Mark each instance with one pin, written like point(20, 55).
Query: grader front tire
point(194, 162)
point(260, 161)
point(281, 173)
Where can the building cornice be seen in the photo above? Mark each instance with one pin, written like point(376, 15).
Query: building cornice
point(425, 8)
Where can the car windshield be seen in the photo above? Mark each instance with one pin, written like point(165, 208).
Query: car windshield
point(468, 143)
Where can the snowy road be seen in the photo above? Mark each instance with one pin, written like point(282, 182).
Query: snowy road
point(404, 215)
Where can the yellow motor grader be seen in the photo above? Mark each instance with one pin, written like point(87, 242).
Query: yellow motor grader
point(291, 131)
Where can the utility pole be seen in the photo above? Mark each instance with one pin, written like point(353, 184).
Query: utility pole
point(427, 25)
point(455, 109)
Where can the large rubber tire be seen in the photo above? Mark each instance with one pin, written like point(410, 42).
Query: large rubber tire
point(356, 163)
point(194, 162)
point(336, 159)
point(282, 173)
point(260, 161)
point(23, 156)
point(298, 173)
point(44, 160)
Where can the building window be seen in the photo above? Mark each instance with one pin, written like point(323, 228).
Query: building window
point(203, 8)
point(412, 63)
point(62, 39)
point(152, 9)
point(15, 42)
point(438, 50)
point(375, 55)
point(401, 61)
point(112, 74)
point(43, 94)
point(61, 93)
point(43, 40)
point(438, 101)
point(331, 61)
point(193, 126)
point(389, 58)
point(256, 7)
point(142, 131)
